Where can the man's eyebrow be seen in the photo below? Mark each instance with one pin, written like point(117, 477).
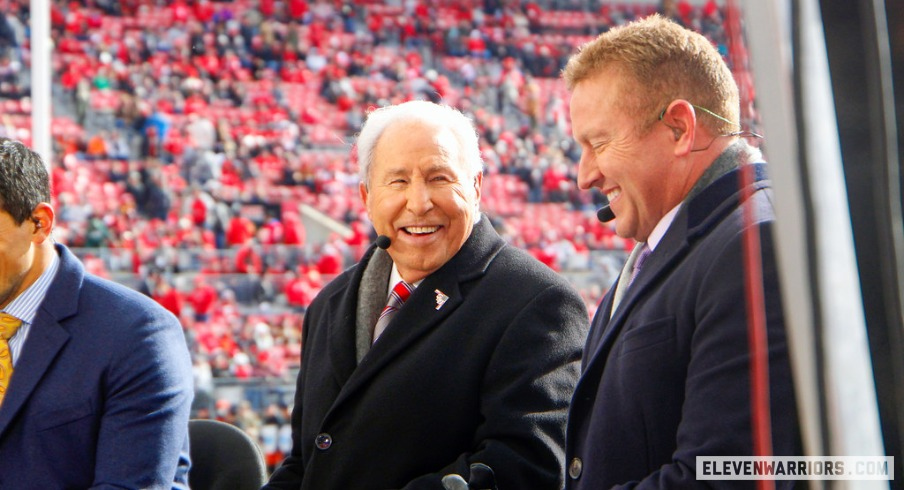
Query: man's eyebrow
point(595, 133)
point(395, 172)
point(440, 167)
point(584, 137)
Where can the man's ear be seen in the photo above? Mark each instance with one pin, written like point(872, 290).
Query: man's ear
point(43, 218)
point(362, 191)
point(681, 119)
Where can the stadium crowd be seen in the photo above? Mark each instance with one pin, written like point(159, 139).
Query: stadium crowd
point(191, 136)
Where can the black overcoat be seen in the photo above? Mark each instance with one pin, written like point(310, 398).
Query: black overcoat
point(485, 377)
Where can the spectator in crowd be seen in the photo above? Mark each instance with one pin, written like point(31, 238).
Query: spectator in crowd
point(299, 290)
point(276, 424)
point(464, 328)
point(95, 379)
point(202, 375)
point(666, 372)
point(168, 296)
point(202, 297)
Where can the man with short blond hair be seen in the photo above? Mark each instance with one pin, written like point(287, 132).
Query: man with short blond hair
point(666, 367)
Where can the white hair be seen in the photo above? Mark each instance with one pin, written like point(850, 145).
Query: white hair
point(419, 111)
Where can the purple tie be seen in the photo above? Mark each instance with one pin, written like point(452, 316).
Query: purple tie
point(638, 263)
point(625, 280)
point(397, 298)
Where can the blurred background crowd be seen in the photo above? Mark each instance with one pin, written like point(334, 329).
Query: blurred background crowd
point(203, 151)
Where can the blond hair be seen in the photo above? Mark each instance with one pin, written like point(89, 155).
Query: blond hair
point(661, 61)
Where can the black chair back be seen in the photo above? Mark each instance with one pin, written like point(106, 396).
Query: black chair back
point(224, 458)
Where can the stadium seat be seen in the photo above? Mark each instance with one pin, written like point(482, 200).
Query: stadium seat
point(224, 458)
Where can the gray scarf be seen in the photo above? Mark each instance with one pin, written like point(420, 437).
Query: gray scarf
point(737, 154)
point(372, 295)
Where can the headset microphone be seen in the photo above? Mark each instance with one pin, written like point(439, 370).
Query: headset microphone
point(384, 242)
point(605, 214)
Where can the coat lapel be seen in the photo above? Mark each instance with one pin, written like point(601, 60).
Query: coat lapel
point(46, 337)
point(670, 251)
point(416, 318)
point(420, 314)
point(341, 331)
point(698, 216)
point(341, 313)
point(44, 342)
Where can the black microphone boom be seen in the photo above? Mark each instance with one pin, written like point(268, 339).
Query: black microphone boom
point(605, 214)
point(384, 242)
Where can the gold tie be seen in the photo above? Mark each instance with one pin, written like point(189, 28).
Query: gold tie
point(8, 326)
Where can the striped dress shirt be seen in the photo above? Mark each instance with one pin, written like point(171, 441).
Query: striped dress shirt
point(25, 306)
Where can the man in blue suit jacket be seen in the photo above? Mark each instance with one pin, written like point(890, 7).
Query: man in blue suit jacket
point(101, 387)
point(666, 367)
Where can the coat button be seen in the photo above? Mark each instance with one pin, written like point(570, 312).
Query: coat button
point(575, 468)
point(323, 441)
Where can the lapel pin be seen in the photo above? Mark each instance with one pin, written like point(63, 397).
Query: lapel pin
point(441, 298)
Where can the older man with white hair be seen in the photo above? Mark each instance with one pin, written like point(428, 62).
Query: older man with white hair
point(443, 354)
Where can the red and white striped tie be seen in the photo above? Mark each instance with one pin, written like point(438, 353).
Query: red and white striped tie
point(397, 298)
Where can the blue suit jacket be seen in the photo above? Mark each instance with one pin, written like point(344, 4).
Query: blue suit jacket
point(101, 394)
point(667, 378)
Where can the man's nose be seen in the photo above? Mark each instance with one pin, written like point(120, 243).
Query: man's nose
point(419, 198)
point(588, 172)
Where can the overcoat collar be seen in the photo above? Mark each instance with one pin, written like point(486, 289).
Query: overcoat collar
point(420, 314)
point(699, 215)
